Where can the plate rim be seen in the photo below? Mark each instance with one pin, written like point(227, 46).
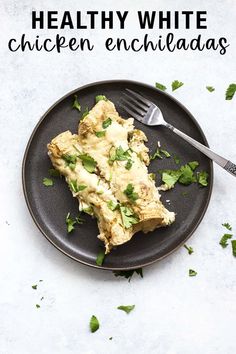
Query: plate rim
point(23, 173)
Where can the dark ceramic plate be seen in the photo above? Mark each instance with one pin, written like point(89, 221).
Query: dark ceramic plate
point(49, 206)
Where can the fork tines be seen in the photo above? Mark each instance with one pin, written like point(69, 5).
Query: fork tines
point(134, 104)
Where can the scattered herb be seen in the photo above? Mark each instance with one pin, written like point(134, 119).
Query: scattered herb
point(127, 274)
point(224, 240)
point(110, 338)
point(70, 160)
point(100, 257)
point(76, 104)
point(152, 176)
point(189, 249)
point(129, 192)
point(160, 86)
point(100, 98)
point(186, 176)
point(118, 154)
point(79, 220)
point(34, 287)
point(233, 243)
point(176, 84)
point(127, 308)
point(193, 165)
point(106, 123)
point(70, 223)
point(164, 152)
point(48, 182)
point(230, 92)
point(176, 159)
point(100, 134)
point(94, 324)
point(210, 88)
point(53, 173)
point(75, 187)
point(128, 164)
point(129, 218)
point(202, 178)
point(112, 206)
point(192, 273)
point(88, 162)
point(159, 154)
point(170, 177)
point(40, 280)
point(227, 226)
point(88, 210)
point(86, 112)
point(37, 306)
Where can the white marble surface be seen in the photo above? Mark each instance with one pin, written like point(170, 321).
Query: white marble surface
point(174, 314)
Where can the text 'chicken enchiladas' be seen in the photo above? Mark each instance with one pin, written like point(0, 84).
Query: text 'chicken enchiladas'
point(105, 166)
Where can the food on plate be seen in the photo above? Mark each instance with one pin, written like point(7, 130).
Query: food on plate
point(105, 166)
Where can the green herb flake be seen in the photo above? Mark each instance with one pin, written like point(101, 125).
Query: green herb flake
point(88, 162)
point(54, 173)
point(128, 164)
point(166, 153)
point(110, 338)
point(118, 154)
point(152, 176)
point(160, 86)
point(128, 274)
point(100, 98)
point(192, 273)
point(224, 240)
point(227, 226)
point(189, 249)
point(157, 154)
point(88, 210)
point(100, 134)
point(210, 88)
point(34, 287)
point(70, 160)
point(100, 257)
point(48, 182)
point(112, 206)
point(106, 123)
point(202, 178)
point(170, 177)
point(37, 306)
point(79, 220)
point(70, 223)
point(85, 113)
point(193, 165)
point(76, 104)
point(230, 92)
point(129, 192)
point(233, 243)
point(186, 176)
point(176, 84)
point(129, 218)
point(126, 308)
point(93, 324)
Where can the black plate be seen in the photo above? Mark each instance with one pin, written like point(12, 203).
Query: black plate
point(49, 206)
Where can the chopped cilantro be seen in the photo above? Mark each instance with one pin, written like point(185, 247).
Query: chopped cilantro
point(127, 308)
point(88, 162)
point(202, 178)
point(54, 173)
point(93, 324)
point(100, 134)
point(176, 84)
point(230, 92)
point(79, 220)
point(160, 86)
point(129, 192)
point(186, 176)
point(170, 177)
point(189, 249)
point(76, 104)
point(37, 306)
point(210, 88)
point(110, 338)
point(118, 154)
point(129, 218)
point(88, 210)
point(152, 176)
point(164, 152)
point(128, 164)
point(48, 182)
point(192, 273)
point(112, 206)
point(85, 113)
point(227, 226)
point(159, 154)
point(100, 98)
point(100, 257)
point(106, 123)
point(233, 243)
point(224, 240)
point(75, 187)
point(176, 159)
point(127, 274)
point(193, 165)
point(34, 287)
point(70, 160)
point(70, 223)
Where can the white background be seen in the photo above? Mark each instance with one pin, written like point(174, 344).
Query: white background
point(174, 314)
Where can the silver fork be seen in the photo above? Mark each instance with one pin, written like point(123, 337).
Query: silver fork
point(148, 113)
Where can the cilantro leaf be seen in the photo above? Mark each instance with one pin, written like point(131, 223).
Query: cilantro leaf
point(170, 177)
point(129, 164)
point(233, 243)
point(127, 274)
point(224, 240)
point(192, 273)
point(129, 192)
point(189, 249)
point(176, 84)
point(76, 104)
point(227, 226)
point(79, 220)
point(100, 98)
point(70, 223)
point(100, 134)
point(230, 92)
point(202, 178)
point(34, 287)
point(85, 113)
point(100, 257)
point(75, 187)
point(54, 173)
point(157, 154)
point(160, 86)
point(126, 308)
point(193, 165)
point(93, 324)
point(48, 182)
point(128, 217)
point(164, 152)
point(152, 176)
point(70, 160)
point(112, 206)
point(118, 154)
point(106, 123)
point(210, 88)
point(186, 176)
point(88, 162)
point(37, 306)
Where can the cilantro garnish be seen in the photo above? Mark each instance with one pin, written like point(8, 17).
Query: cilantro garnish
point(210, 88)
point(160, 86)
point(48, 182)
point(202, 178)
point(54, 173)
point(37, 306)
point(34, 287)
point(186, 176)
point(70, 223)
point(176, 84)
point(118, 154)
point(76, 104)
point(230, 92)
point(189, 249)
point(170, 177)
point(112, 206)
point(227, 226)
point(100, 98)
point(75, 187)
point(106, 123)
point(152, 176)
point(88, 210)
point(88, 162)
point(86, 112)
point(128, 164)
point(129, 192)
point(126, 308)
point(100, 134)
point(159, 154)
point(193, 165)
point(233, 243)
point(70, 160)
point(192, 273)
point(224, 240)
point(127, 274)
point(100, 257)
point(79, 220)
point(129, 218)
point(93, 324)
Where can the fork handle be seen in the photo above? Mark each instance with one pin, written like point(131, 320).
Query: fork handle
point(221, 161)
